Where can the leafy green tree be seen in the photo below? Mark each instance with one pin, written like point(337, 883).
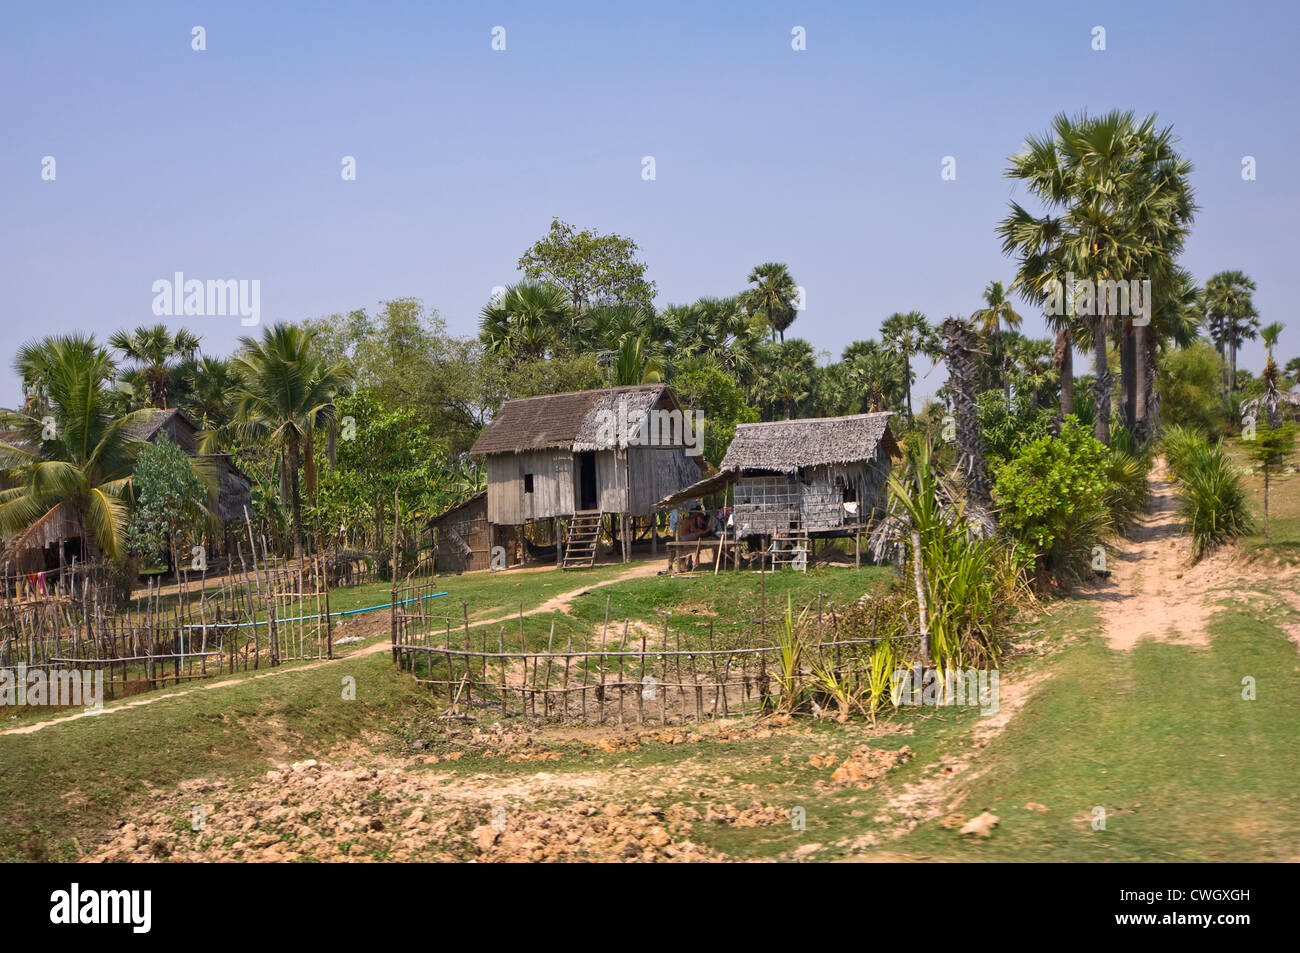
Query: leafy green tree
point(381, 450)
point(1271, 448)
point(702, 385)
point(528, 320)
point(592, 269)
point(170, 503)
point(1052, 497)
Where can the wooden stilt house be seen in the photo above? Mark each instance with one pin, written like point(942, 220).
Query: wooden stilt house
point(578, 460)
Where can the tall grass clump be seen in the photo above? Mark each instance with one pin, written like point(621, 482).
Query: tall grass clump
point(1212, 501)
point(1179, 444)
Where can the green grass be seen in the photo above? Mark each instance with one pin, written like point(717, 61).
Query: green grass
point(1159, 736)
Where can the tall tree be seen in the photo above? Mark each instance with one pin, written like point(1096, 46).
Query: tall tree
point(67, 457)
point(772, 293)
point(911, 334)
point(286, 396)
point(528, 320)
point(591, 268)
point(997, 311)
point(153, 356)
point(1119, 208)
point(1230, 316)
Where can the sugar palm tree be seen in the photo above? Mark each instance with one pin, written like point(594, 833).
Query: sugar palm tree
point(1122, 205)
point(153, 355)
point(911, 334)
point(1231, 316)
point(997, 311)
point(772, 294)
point(66, 457)
point(286, 396)
point(529, 319)
point(634, 363)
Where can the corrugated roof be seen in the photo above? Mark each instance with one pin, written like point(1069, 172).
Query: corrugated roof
point(571, 420)
point(785, 446)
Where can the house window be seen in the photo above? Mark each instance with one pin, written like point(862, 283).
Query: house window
point(528, 483)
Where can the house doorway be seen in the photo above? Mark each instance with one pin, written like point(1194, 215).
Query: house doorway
point(588, 496)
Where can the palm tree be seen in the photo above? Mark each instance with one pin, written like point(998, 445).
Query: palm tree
point(1124, 204)
point(286, 396)
point(1231, 316)
point(910, 334)
point(635, 364)
point(996, 312)
point(773, 293)
point(530, 319)
point(68, 458)
point(154, 354)
point(876, 374)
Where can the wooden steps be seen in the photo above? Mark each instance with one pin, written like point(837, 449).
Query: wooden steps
point(583, 537)
point(791, 548)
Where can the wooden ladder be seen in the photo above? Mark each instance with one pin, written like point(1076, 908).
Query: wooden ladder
point(784, 546)
point(584, 533)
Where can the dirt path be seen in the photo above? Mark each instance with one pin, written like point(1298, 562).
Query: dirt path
point(1154, 591)
point(557, 603)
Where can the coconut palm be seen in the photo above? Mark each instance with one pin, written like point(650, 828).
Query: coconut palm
point(67, 458)
point(1230, 316)
point(911, 334)
point(154, 355)
point(286, 397)
point(772, 294)
point(635, 364)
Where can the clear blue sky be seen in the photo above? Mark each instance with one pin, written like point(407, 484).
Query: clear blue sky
point(226, 163)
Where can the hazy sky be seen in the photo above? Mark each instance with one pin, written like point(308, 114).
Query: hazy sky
point(226, 163)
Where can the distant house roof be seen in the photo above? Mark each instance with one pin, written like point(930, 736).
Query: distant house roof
point(148, 423)
point(570, 421)
point(786, 446)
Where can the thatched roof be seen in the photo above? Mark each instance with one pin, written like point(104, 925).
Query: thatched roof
point(786, 446)
point(568, 421)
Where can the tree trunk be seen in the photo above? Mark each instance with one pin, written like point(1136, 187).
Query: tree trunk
point(1152, 396)
point(907, 382)
point(1064, 360)
point(1102, 384)
point(1140, 429)
point(1128, 376)
point(295, 504)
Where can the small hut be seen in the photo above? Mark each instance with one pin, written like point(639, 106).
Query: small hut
point(464, 536)
point(795, 480)
point(581, 456)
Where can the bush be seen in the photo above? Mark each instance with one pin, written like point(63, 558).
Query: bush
point(1005, 428)
point(1212, 501)
point(1054, 496)
point(1126, 498)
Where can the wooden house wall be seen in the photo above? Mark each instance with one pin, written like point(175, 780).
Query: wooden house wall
point(552, 470)
point(464, 538)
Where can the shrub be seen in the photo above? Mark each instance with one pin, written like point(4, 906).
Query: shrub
point(1126, 497)
point(1054, 496)
point(1212, 501)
